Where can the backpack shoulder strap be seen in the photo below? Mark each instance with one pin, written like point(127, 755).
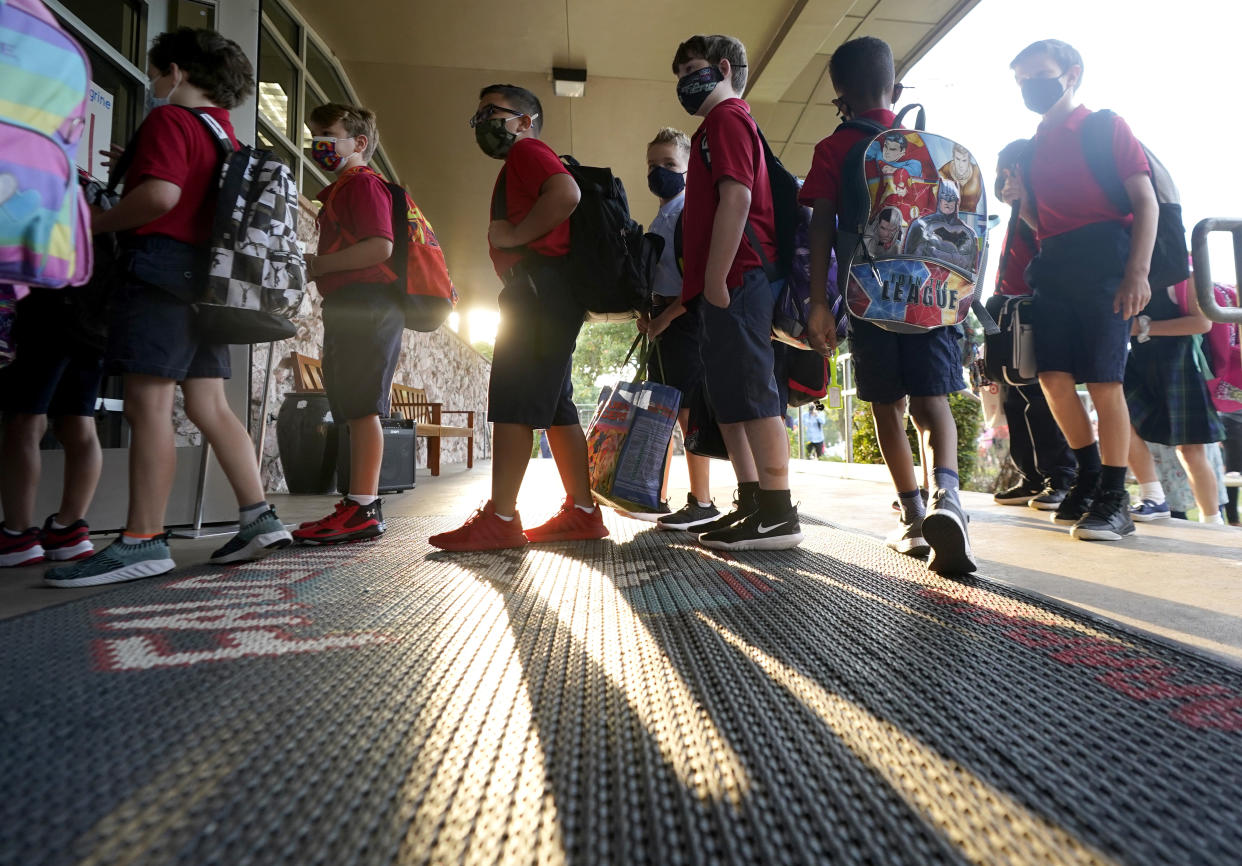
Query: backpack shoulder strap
point(500, 203)
point(863, 124)
point(679, 242)
point(920, 119)
point(217, 131)
point(1097, 144)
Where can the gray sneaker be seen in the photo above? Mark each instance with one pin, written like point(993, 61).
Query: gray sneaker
point(908, 538)
point(255, 540)
point(944, 527)
point(689, 515)
point(116, 563)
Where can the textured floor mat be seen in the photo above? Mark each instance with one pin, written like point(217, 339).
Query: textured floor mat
point(636, 699)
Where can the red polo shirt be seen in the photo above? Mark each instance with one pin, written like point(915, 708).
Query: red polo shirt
point(357, 206)
point(824, 178)
point(736, 153)
point(1017, 253)
point(527, 167)
point(1065, 190)
point(176, 146)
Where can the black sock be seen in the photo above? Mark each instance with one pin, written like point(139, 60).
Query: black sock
point(774, 503)
point(1112, 479)
point(748, 495)
point(1088, 465)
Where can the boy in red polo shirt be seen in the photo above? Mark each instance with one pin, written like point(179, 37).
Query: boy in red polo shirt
point(167, 211)
point(729, 231)
point(530, 387)
point(889, 367)
point(362, 317)
point(1090, 280)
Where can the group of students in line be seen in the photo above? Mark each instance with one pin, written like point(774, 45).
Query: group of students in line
point(712, 316)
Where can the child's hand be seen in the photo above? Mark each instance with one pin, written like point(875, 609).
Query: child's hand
point(821, 329)
point(717, 296)
point(111, 156)
point(644, 322)
point(501, 234)
point(1132, 296)
point(310, 259)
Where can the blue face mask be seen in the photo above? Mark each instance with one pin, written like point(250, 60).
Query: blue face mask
point(694, 88)
point(153, 101)
point(664, 182)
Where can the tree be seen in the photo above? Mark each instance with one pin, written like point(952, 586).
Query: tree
point(601, 349)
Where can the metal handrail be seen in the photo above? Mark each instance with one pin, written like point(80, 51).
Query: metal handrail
point(1203, 269)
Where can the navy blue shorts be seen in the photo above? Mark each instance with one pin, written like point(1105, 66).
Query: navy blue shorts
point(1075, 277)
point(532, 361)
point(678, 363)
point(735, 343)
point(362, 328)
point(151, 325)
point(52, 374)
point(889, 366)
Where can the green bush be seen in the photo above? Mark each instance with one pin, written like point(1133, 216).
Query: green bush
point(968, 414)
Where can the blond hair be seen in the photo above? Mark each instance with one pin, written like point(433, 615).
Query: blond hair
point(669, 135)
point(354, 118)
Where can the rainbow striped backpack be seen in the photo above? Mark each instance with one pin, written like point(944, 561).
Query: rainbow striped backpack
point(45, 237)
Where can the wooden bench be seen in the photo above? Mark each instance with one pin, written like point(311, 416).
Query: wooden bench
point(411, 403)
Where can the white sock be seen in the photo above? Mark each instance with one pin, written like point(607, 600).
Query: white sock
point(361, 499)
point(12, 533)
point(508, 519)
point(56, 524)
point(702, 504)
point(584, 509)
point(250, 512)
point(1153, 491)
point(1213, 518)
point(126, 538)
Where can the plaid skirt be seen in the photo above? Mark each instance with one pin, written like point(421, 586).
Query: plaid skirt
point(1167, 394)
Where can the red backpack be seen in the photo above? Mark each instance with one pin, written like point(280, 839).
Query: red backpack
point(417, 260)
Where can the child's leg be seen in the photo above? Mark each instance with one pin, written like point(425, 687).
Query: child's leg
point(1202, 479)
point(668, 465)
point(741, 456)
point(769, 449)
point(934, 419)
point(208, 409)
point(1114, 421)
point(1067, 409)
point(698, 466)
point(890, 432)
point(152, 451)
point(83, 464)
point(20, 465)
point(1140, 460)
point(366, 453)
point(510, 454)
point(569, 449)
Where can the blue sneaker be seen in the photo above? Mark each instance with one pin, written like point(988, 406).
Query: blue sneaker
point(255, 540)
point(1147, 511)
point(116, 563)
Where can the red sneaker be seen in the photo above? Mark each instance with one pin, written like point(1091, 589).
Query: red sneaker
point(63, 545)
point(349, 522)
point(23, 549)
point(570, 524)
point(483, 531)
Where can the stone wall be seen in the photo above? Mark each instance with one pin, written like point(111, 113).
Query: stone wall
point(441, 362)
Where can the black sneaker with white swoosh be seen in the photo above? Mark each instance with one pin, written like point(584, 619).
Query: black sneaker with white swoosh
point(757, 532)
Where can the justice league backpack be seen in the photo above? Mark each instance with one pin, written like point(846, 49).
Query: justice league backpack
point(911, 228)
point(255, 274)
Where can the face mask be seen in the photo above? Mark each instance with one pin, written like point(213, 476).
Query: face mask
point(493, 137)
point(1040, 94)
point(694, 88)
point(153, 101)
point(323, 151)
point(664, 182)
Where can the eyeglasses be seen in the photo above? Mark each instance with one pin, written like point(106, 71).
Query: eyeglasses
point(485, 113)
point(326, 138)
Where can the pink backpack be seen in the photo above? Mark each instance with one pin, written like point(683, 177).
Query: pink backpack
point(45, 237)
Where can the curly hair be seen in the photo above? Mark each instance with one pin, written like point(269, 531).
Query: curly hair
point(212, 63)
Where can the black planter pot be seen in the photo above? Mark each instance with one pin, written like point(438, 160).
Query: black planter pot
point(307, 440)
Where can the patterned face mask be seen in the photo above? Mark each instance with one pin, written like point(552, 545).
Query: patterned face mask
point(323, 151)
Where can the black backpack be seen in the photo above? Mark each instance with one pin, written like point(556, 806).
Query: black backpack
point(1169, 257)
point(606, 246)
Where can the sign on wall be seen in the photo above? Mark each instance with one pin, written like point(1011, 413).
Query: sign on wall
point(98, 133)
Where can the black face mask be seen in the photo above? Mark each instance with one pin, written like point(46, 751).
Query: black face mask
point(664, 182)
point(1040, 94)
point(694, 88)
point(493, 137)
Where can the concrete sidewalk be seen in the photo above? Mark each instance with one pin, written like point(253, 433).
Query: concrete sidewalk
point(1176, 579)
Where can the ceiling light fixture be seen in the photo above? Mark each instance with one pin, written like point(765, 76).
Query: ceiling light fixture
point(569, 82)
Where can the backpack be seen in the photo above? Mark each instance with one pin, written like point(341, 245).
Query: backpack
point(606, 246)
point(255, 276)
point(417, 263)
point(1169, 257)
point(44, 221)
point(928, 271)
point(793, 265)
